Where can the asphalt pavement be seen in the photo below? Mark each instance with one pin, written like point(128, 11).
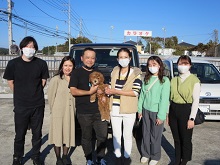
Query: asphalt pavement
point(206, 143)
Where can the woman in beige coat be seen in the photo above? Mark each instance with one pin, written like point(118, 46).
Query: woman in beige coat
point(62, 111)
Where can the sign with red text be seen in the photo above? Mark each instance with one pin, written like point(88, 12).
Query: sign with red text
point(142, 33)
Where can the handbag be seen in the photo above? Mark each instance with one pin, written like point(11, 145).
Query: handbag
point(138, 122)
point(137, 132)
point(200, 116)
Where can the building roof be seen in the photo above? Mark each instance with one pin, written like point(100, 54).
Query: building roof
point(186, 44)
point(131, 42)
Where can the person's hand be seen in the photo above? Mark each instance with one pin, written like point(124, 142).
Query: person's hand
point(109, 91)
point(99, 91)
point(93, 89)
point(158, 121)
point(139, 116)
point(167, 120)
point(190, 124)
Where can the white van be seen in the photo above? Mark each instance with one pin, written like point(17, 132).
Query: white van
point(209, 76)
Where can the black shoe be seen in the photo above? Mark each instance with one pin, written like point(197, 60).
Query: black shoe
point(183, 162)
point(59, 162)
point(66, 160)
point(36, 161)
point(127, 161)
point(118, 161)
point(16, 161)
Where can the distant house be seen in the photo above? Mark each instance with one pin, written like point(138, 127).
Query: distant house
point(191, 53)
point(166, 51)
point(140, 47)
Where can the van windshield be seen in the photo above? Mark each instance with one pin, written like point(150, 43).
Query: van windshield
point(105, 57)
point(207, 73)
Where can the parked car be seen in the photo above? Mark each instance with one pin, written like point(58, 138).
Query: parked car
point(209, 76)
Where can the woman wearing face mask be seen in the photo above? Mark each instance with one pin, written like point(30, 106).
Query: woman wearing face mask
point(125, 88)
point(185, 91)
point(153, 105)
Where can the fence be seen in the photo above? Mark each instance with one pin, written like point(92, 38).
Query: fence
point(53, 62)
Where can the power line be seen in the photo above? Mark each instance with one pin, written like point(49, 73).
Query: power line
point(45, 12)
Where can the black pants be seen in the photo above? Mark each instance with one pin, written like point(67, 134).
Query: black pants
point(178, 118)
point(88, 122)
point(24, 117)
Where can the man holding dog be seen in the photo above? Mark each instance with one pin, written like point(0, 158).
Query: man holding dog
point(88, 114)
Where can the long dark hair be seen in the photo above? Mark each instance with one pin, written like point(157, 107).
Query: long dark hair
point(130, 56)
point(60, 71)
point(160, 72)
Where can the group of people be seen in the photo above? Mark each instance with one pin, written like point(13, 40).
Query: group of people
point(157, 100)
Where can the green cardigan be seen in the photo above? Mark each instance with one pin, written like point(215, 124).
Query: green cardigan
point(157, 99)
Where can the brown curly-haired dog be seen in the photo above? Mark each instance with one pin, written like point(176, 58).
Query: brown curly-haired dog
point(97, 78)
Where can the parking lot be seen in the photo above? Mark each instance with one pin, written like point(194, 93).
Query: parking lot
point(206, 145)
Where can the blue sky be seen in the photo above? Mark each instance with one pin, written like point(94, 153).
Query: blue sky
point(192, 21)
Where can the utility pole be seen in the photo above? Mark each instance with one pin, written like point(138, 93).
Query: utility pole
point(25, 23)
point(216, 42)
point(69, 26)
point(80, 25)
point(164, 30)
point(9, 26)
point(56, 37)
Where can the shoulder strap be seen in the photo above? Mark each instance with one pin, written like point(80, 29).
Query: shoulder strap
point(151, 85)
point(178, 90)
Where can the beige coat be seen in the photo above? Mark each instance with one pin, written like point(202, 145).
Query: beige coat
point(62, 113)
point(128, 104)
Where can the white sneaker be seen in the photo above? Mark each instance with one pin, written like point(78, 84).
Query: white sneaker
point(144, 160)
point(153, 162)
point(89, 162)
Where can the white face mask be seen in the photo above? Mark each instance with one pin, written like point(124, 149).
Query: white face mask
point(124, 62)
point(28, 52)
point(183, 68)
point(153, 69)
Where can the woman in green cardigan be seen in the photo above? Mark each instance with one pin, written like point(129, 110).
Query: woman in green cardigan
point(153, 106)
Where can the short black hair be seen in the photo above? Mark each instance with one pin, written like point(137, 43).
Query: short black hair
point(89, 48)
point(26, 41)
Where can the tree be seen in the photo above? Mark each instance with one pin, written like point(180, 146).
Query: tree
point(179, 50)
point(82, 40)
point(49, 50)
point(154, 46)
